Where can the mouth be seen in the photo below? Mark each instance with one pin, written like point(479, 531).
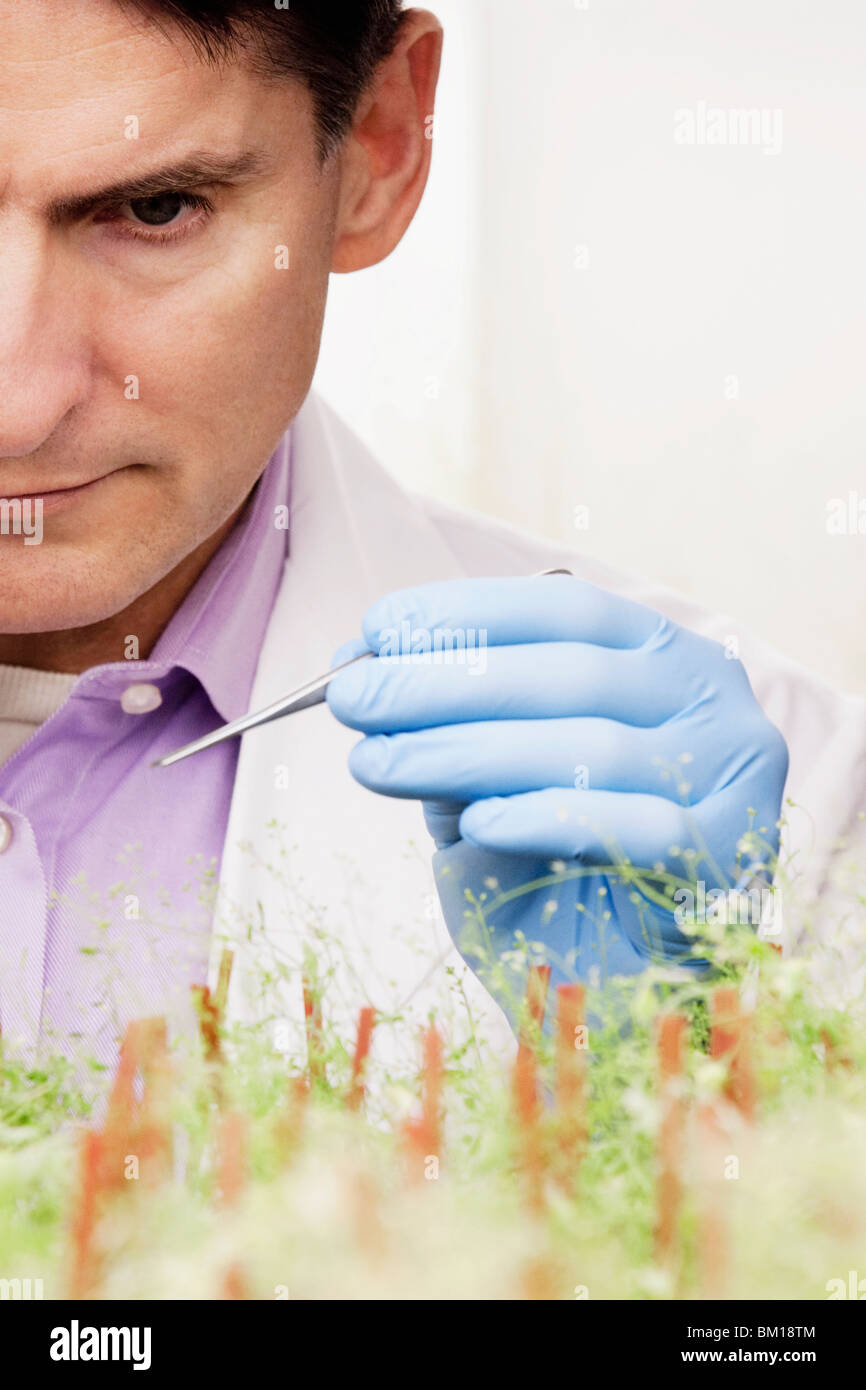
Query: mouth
point(57, 498)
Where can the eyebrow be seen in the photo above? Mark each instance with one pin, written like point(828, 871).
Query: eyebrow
point(200, 169)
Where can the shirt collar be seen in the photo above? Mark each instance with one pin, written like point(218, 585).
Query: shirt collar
point(217, 632)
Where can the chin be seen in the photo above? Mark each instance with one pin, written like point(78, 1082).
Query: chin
point(52, 598)
point(20, 620)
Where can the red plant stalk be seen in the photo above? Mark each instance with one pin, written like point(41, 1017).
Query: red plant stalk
point(211, 1006)
point(423, 1137)
point(121, 1121)
point(234, 1284)
point(671, 1032)
point(416, 1149)
point(84, 1272)
point(526, 1062)
point(366, 1023)
point(133, 1129)
point(712, 1236)
point(155, 1141)
point(536, 1004)
point(526, 1100)
point(313, 1022)
point(570, 1088)
point(152, 1045)
point(539, 1283)
point(209, 1022)
point(730, 1041)
point(231, 1138)
point(432, 1106)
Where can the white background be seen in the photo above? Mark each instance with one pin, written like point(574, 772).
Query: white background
point(484, 364)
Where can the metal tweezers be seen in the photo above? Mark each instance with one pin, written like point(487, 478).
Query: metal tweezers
point(313, 693)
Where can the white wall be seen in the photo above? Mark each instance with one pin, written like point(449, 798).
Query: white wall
point(587, 312)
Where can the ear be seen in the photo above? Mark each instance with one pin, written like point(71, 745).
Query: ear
point(386, 156)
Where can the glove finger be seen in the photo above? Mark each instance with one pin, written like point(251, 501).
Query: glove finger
point(552, 608)
point(355, 647)
point(546, 680)
point(443, 821)
point(608, 828)
point(470, 762)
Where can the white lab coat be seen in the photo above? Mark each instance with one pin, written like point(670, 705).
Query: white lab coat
point(356, 866)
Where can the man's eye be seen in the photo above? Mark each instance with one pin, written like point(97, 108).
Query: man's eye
point(160, 217)
point(159, 210)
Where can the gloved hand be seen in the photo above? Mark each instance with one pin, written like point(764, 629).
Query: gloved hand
point(578, 741)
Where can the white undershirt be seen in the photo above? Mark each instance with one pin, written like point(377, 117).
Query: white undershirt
point(27, 699)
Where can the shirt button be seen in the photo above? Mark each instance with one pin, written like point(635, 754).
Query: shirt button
point(140, 699)
point(5, 834)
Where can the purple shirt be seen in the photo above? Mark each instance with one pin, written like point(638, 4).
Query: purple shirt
point(107, 881)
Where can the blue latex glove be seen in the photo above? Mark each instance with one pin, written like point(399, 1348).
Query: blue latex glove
point(589, 738)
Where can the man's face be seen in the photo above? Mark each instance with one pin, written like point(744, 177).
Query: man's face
point(152, 350)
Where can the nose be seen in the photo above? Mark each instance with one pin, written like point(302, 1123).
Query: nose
point(43, 359)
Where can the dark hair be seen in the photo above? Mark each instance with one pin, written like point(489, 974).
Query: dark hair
point(334, 46)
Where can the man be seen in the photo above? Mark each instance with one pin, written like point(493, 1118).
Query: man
point(188, 535)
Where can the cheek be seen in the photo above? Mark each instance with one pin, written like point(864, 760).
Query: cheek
point(265, 339)
point(225, 359)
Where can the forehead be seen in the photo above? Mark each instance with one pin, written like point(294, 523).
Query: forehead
point(72, 73)
point(54, 54)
